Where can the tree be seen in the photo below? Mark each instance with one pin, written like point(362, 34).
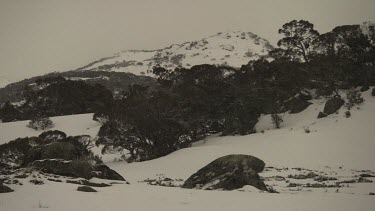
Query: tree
point(298, 39)
point(41, 123)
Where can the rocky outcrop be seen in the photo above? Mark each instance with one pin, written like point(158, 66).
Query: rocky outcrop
point(4, 188)
point(228, 173)
point(297, 104)
point(57, 150)
point(64, 167)
point(76, 169)
point(86, 189)
point(104, 172)
point(331, 106)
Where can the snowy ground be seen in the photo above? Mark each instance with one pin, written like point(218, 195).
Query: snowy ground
point(337, 147)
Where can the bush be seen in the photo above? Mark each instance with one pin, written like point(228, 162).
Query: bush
point(41, 123)
point(354, 97)
point(347, 114)
point(277, 119)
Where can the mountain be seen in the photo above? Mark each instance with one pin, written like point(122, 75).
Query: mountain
point(131, 67)
point(224, 48)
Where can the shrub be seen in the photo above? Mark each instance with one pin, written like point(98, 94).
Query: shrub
point(347, 114)
point(353, 97)
point(41, 123)
point(277, 119)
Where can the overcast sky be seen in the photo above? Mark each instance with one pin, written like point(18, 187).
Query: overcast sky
point(40, 36)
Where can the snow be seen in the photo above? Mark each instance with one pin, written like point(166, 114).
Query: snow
point(72, 125)
point(336, 146)
point(228, 48)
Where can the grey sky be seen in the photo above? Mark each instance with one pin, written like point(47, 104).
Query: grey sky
point(40, 36)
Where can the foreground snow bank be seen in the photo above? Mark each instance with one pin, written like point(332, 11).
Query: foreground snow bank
point(61, 196)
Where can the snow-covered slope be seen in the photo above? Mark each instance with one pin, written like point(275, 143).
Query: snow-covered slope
point(336, 146)
point(229, 48)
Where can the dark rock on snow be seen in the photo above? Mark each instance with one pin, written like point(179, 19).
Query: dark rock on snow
point(86, 189)
point(76, 169)
point(104, 172)
point(297, 105)
point(4, 188)
point(57, 150)
point(228, 173)
point(331, 106)
point(321, 115)
point(373, 92)
point(88, 183)
point(64, 167)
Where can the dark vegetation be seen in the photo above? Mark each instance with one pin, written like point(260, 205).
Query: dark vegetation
point(22, 152)
point(185, 105)
point(189, 104)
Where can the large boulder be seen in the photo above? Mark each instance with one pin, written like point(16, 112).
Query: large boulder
point(64, 167)
point(297, 105)
point(332, 106)
point(56, 150)
point(86, 189)
point(104, 172)
point(4, 188)
point(228, 173)
point(76, 169)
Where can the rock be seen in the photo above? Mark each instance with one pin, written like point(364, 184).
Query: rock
point(104, 172)
point(331, 106)
point(297, 105)
point(64, 168)
point(228, 173)
point(76, 169)
point(364, 88)
point(322, 115)
point(87, 183)
point(57, 150)
point(373, 92)
point(5, 189)
point(86, 189)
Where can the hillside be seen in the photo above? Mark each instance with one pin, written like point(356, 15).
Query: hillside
point(224, 48)
point(337, 147)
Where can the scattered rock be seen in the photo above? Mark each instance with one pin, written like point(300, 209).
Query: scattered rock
point(104, 172)
point(88, 183)
point(228, 173)
point(322, 115)
point(54, 180)
point(37, 182)
point(86, 189)
point(373, 92)
point(5, 189)
point(309, 175)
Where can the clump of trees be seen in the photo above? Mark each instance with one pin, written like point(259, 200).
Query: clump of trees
point(56, 96)
point(41, 123)
point(189, 104)
point(48, 145)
